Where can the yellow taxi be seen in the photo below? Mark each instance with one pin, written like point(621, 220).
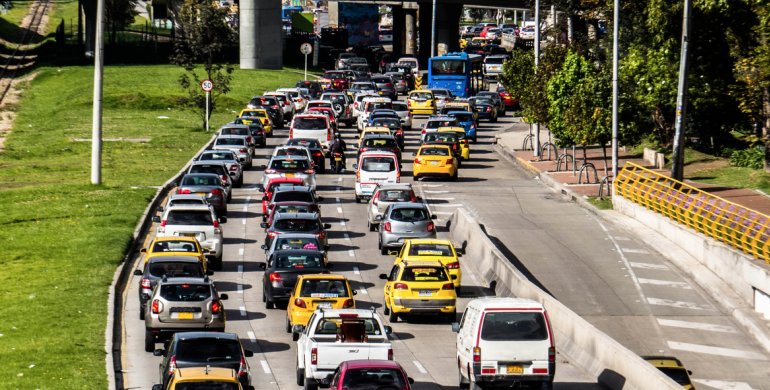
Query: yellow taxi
point(673, 368)
point(432, 250)
point(422, 102)
point(204, 377)
point(465, 147)
point(419, 287)
point(313, 292)
point(434, 161)
point(460, 105)
point(373, 130)
point(267, 123)
point(465, 39)
point(480, 41)
point(175, 246)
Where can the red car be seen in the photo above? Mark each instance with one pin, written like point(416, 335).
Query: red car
point(271, 185)
point(508, 99)
point(483, 33)
point(334, 80)
point(369, 375)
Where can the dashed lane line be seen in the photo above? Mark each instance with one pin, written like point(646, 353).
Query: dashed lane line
point(420, 367)
point(265, 366)
point(665, 283)
point(243, 311)
point(697, 325)
point(640, 251)
point(709, 350)
point(658, 267)
point(356, 271)
point(677, 304)
point(240, 289)
point(252, 337)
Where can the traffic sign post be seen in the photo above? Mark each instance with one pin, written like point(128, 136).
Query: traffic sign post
point(207, 86)
point(306, 49)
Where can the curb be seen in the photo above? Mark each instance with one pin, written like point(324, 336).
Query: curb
point(114, 331)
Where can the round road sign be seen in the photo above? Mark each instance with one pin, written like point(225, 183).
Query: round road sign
point(306, 48)
point(207, 85)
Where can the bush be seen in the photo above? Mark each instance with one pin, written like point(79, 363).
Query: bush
point(753, 158)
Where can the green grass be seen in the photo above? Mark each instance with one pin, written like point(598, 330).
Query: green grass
point(310, 69)
point(9, 23)
point(63, 237)
point(737, 177)
point(602, 204)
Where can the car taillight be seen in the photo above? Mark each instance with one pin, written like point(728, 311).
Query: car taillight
point(163, 223)
point(300, 303)
point(265, 122)
point(328, 136)
point(242, 150)
point(447, 99)
point(409, 103)
point(216, 192)
point(269, 171)
point(249, 139)
point(476, 354)
point(418, 160)
point(275, 278)
point(424, 130)
point(455, 265)
point(388, 85)
point(299, 100)
point(473, 125)
point(275, 106)
point(309, 171)
point(431, 226)
point(386, 226)
point(364, 149)
point(314, 356)
point(215, 307)
point(321, 235)
point(182, 192)
point(448, 286)
point(375, 200)
point(390, 353)
point(146, 284)
point(217, 230)
point(242, 370)
point(286, 103)
point(488, 370)
point(394, 150)
point(225, 178)
point(272, 234)
point(450, 161)
point(398, 177)
point(551, 354)
point(233, 167)
point(466, 141)
point(172, 365)
point(358, 177)
point(348, 304)
point(399, 132)
point(489, 109)
point(157, 307)
point(400, 286)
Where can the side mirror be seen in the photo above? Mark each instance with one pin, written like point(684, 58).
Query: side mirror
point(265, 199)
point(456, 327)
point(388, 330)
point(414, 153)
point(419, 198)
point(176, 184)
point(264, 225)
point(223, 297)
point(209, 272)
point(155, 218)
point(159, 209)
point(297, 329)
point(248, 353)
point(137, 272)
point(143, 250)
point(393, 253)
point(262, 265)
point(222, 219)
point(326, 247)
point(325, 381)
point(327, 226)
point(459, 255)
point(383, 277)
point(434, 216)
point(355, 292)
point(206, 250)
point(689, 372)
point(157, 387)
point(158, 352)
point(411, 381)
point(320, 198)
point(379, 217)
point(260, 188)
point(355, 166)
point(264, 247)
point(454, 277)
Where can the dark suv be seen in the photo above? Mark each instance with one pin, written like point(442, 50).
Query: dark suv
point(271, 105)
point(312, 85)
point(282, 269)
point(170, 266)
point(308, 223)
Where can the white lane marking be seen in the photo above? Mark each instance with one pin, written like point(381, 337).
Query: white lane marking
point(420, 367)
point(665, 283)
point(709, 350)
point(440, 198)
point(432, 185)
point(350, 252)
point(436, 192)
point(447, 205)
point(240, 269)
point(240, 289)
point(240, 252)
point(244, 221)
point(243, 311)
point(443, 212)
point(339, 206)
point(347, 237)
point(339, 179)
point(677, 304)
point(342, 223)
point(622, 239)
point(252, 337)
point(246, 205)
point(629, 250)
point(721, 385)
point(363, 290)
point(265, 366)
point(649, 266)
point(697, 325)
point(356, 271)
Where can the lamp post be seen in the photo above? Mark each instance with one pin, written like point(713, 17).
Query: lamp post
point(96, 136)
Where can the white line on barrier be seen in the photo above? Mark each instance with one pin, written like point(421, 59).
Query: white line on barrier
point(709, 350)
point(240, 289)
point(240, 252)
point(641, 251)
point(677, 304)
point(440, 198)
point(363, 290)
point(447, 205)
point(659, 267)
point(697, 325)
point(244, 221)
point(265, 366)
point(252, 337)
point(350, 252)
point(339, 206)
point(420, 367)
point(356, 271)
point(665, 283)
point(243, 311)
point(342, 223)
point(436, 192)
point(443, 212)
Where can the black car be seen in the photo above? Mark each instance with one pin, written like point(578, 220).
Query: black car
point(491, 48)
point(384, 142)
point(272, 106)
point(308, 223)
point(407, 71)
point(314, 147)
point(200, 349)
point(313, 86)
point(394, 124)
point(257, 130)
point(495, 98)
point(282, 269)
point(171, 266)
point(385, 87)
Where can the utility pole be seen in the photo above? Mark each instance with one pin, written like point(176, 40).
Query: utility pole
point(536, 126)
point(433, 32)
point(616, 23)
point(96, 136)
point(677, 168)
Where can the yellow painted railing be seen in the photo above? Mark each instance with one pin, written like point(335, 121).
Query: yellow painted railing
point(730, 223)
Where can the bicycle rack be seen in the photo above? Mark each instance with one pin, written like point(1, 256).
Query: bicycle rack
point(531, 144)
point(586, 166)
point(564, 156)
point(548, 146)
point(608, 181)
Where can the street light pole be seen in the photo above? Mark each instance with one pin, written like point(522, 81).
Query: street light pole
point(433, 33)
point(615, 91)
point(536, 126)
point(96, 136)
point(677, 168)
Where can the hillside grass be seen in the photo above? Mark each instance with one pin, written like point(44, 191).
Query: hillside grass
point(10, 21)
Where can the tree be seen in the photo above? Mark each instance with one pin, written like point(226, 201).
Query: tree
point(517, 77)
point(477, 14)
point(119, 14)
point(206, 35)
point(566, 127)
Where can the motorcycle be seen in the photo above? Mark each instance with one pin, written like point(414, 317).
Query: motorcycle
point(337, 163)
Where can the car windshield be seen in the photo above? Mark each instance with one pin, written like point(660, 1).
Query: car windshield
point(335, 98)
point(421, 95)
point(430, 250)
point(456, 108)
point(216, 156)
point(292, 208)
point(463, 117)
point(177, 202)
point(264, 101)
point(441, 123)
point(324, 288)
point(297, 243)
point(384, 143)
point(447, 67)
point(373, 378)
point(378, 164)
point(395, 196)
point(310, 123)
point(363, 87)
point(174, 246)
point(441, 137)
point(334, 75)
point(281, 98)
point(434, 152)
point(189, 217)
point(492, 60)
point(514, 326)
point(409, 63)
point(409, 215)
point(206, 385)
point(195, 180)
point(424, 274)
point(176, 269)
point(358, 60)
point(234, 131)
point(400, 107)
point(331, 325)
point(379, 106)
point(291, 152)
point(298, 261)
point(207, 349)
point(297, 225)
point(185, 292)
point(459, 134)
point(290, 165)
point(381, 80)
point(257, 114)
point(308, 143)
point(678, 375)
point(396, 76)
point(231, 141)
point(389, 123)
point(205, 168)
point(251, 121)
point(293, 196)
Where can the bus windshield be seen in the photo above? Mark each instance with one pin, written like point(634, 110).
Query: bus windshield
point(448, 67)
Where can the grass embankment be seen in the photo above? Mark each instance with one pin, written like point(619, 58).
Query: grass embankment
point(63, 238)
point(10, 22)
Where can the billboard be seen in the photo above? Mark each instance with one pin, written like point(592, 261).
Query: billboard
point(361, 21)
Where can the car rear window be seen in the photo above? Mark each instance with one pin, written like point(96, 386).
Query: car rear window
point(409, 215)
point(217, 156)
point(299, 261)
point(207, 349)
point(310, 123)
point(207, 385)
point(494, 61)
point(185, 292)
point(440, 92)
point(330, 326)
point(434, 152)
point(176, 269)
point(291, 152)
point(395, 195)
point(324, 288)
point(297, 243)
point(378, 164)
point(273, 186)
point(290, 165)
point(280, 98)
point(177, 202)
point(400, 107)
point(194, 180)
point(334, 98)
point(189, 217)
point(231, 141)
point(387, 122)
point(373, 378)
point(334, 75)
point(308, 143)
point(292, 208)
point(174, 246)
point(458, 134)
point(379, 106)
point(421, 95)
point(448, 137)
point(258, 114)
point(385, 143)
point(437, 124)
point(216, 169)
point(463, 117)
point(297, 225)
point(264, 101)
point(430, 250)
point(293, 196)
point(514, 326)
point(235, 131)
point(424, 274)
point(381, 80)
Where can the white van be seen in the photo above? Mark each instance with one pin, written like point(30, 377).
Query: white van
point(373, 168)
point(370, 104)
point(312, 126)
point(504, 341)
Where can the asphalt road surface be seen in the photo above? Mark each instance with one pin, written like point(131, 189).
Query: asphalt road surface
point(615, 282)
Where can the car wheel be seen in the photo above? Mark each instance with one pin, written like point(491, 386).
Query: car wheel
point(288, 325)
point(393, 317)
point(474, 140)
point(323, 167)
point(295, 337)
point(217, 263)
point(371, 226)
point(268, 303)
point(546, 385)
point(149, 341)
point(464, 384)
point(383, 249)
point(300, 376)
point(454, 177)
point(309, 386)
point(358, 199)
point(141, 313)
point(451, 317)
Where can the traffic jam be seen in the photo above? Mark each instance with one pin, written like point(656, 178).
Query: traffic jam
point(352, 154)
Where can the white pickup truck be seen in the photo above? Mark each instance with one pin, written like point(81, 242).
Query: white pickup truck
point(334, 336)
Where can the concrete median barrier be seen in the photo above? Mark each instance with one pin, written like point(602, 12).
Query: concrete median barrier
point(612, 364)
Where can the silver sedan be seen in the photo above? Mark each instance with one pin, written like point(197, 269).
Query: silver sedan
point(404, 221)
point(290, 166)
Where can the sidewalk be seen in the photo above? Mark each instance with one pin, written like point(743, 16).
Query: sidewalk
point(512, 142)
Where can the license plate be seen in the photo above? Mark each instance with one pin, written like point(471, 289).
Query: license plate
point(434, 163)
point(495, 67)
point(289, 175)
point(292, 211)
point(324, 305)
point(200, 193)
point(338, 159)
point(515, 369)
point(188, 235)
point(184, 316)
point(426, 293)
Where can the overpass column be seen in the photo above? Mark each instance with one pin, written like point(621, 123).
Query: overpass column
point(447, 19)
point(260, 34)
point(410, 28)
point(398, 30)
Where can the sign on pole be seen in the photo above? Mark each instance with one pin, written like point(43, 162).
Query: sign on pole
point(306, 49)
point(207, 86)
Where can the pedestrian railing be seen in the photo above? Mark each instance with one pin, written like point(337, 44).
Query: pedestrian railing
point(742, 228)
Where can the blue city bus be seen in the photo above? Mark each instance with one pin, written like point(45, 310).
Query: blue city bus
point(461, 73)
point(287, 11)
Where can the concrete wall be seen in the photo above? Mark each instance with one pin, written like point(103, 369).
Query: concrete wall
point(657, 160)
point(261, 34)
point(611, 363)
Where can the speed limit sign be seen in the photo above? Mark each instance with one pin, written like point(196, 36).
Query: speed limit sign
point(207, 85)
point(306, 48)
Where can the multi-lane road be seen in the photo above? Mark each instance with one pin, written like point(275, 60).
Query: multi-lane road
point(614, 281)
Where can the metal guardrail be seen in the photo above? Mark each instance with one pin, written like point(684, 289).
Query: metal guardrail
point(742, 228)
